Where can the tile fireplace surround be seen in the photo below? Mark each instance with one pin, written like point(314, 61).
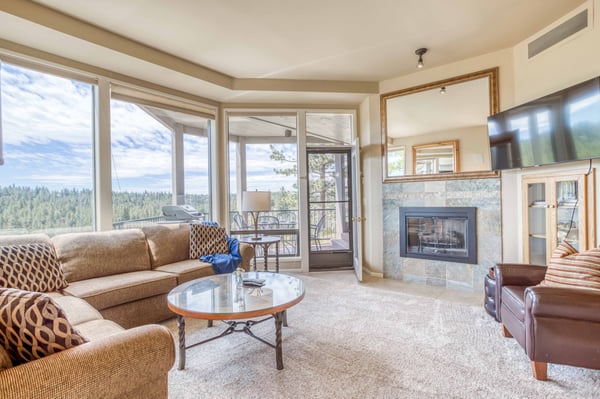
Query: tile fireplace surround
point(484, 194)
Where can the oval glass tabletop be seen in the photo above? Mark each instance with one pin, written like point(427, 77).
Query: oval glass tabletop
point(219, 297)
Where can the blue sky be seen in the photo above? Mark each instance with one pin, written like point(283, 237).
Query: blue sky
point(47, 134)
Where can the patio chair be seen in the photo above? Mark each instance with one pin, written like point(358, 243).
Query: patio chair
point(239, 223)
point(315, 232)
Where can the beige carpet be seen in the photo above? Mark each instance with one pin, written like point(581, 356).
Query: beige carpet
point(350, 341)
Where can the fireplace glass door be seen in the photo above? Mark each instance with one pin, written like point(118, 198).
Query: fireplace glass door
point(438, 233)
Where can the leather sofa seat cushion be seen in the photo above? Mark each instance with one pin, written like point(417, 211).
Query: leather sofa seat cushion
point(108, 291)
point(97, 329)
point(187, 270)
point(89, 255)
point(513, 298)
point(167, 243)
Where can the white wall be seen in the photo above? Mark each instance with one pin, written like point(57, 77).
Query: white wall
point(574, 60)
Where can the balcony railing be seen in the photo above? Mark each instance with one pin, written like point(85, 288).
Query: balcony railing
point(280, 223)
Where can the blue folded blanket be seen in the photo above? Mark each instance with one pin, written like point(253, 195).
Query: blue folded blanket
point(225, 263)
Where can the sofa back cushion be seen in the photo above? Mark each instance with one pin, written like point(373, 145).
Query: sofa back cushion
point(31, 267)
point(24, 239)
point(572, 269)
point(32, 326)
point(167, 243)
point(87, 255)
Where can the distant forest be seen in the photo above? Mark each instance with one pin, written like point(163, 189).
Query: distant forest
point(41, 209)
point(38, 208)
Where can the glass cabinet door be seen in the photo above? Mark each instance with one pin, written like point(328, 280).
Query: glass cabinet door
point(567, 212)
point(556, 208)
point(536, 220)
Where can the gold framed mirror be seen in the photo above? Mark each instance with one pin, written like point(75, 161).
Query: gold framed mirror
point(451, 110)
point(435, 158)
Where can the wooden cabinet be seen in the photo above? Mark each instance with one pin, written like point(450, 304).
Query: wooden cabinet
point(557, 207)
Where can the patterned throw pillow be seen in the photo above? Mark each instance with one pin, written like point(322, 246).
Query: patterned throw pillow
point(31, 267)
point(207, 240)
point(32, 326)
point(568, 268)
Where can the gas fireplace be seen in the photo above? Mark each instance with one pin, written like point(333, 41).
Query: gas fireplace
point(438, 233)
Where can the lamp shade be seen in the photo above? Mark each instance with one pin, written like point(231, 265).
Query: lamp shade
point(256, 201)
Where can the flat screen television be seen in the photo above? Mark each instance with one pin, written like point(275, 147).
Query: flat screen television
point(560, 127)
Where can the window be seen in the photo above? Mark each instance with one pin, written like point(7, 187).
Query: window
point(46, 181)
point(141, 164)
point(263, 156)
point(145, 151)
point(197, 171)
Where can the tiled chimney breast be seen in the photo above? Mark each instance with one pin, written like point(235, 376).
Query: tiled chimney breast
point(484, 194)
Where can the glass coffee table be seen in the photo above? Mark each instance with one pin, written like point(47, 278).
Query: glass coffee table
point(220, 298)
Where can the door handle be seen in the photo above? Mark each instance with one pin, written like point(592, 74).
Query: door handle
point(359, 219)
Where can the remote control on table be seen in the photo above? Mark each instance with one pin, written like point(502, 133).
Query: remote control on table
point(258, 282)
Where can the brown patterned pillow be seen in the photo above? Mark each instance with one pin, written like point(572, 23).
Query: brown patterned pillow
point(32, 326)
point(568, 268)
point(31, 267)
point(207, 240)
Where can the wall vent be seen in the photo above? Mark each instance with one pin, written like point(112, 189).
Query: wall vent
point(559, 33)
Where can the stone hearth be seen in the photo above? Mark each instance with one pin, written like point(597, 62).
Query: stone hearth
point(483, 194)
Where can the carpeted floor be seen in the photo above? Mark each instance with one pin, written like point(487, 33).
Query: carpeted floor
point(347, 340)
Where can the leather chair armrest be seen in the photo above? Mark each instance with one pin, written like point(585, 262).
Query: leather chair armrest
point(113, 367)
point(567, 303)
point(515, 274)
point(519, 274)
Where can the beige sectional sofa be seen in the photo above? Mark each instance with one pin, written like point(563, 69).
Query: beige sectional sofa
point(118, 283)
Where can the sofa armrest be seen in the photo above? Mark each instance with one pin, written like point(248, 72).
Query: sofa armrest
point(247, 254)
point(519, 274)
point(567, 303)
point(113, 367)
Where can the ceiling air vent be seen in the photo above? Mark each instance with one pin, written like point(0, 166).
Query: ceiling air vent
point(559, 33)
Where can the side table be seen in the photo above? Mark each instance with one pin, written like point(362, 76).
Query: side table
point(264, 242)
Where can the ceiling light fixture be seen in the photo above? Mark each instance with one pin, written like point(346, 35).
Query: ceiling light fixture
point(420, 52)
point(443, 90)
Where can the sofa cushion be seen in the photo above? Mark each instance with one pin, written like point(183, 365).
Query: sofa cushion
point(187, 270)
point(77, 310)
point(108, 291)
point(89, 255)
point(19, 239)
point(207, 240)
point(32, 326)
point(30, 267)
point(168, 243)
point(513, 298)
point(97, 329)
point(571, 269)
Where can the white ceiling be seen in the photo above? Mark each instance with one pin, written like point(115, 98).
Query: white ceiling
point(221, 47)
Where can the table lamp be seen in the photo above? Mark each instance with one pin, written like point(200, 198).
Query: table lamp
point(256, 202)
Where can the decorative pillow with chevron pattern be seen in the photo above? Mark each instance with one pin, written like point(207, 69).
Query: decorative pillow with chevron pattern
point(32, 326)
point(572, 269)
point(206, 239)
point(31, 267)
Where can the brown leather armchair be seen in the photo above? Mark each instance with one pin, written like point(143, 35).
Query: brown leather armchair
point(552, 324)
